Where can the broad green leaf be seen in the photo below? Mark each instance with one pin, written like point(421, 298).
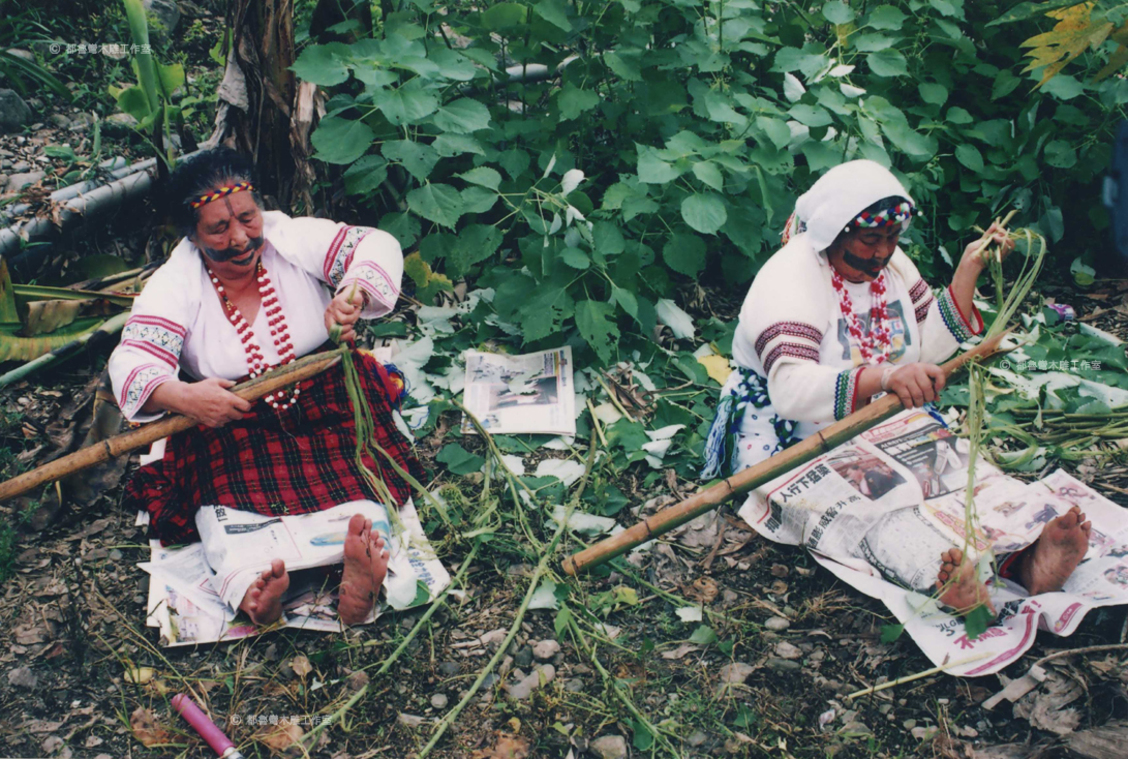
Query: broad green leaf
point(132, 100)
point(947, 8)
point(641, 737)
point(502, 17)
point(365, 175)
point(970, 157)
point(685, 254)
point(957, 115)
point(625, 65)
point(515, 162)
point(554, 12)
point(450, 145)
point(474, 244)
point(838, 12)
point(543, 314)
point(886, 17)
point(573, 101)
point(652, 169)
point(887, 63)
point(1063, 87)
point(478, 199)
point(810, 115)
point(171, 77)
point(575, 258)
point(418, 158)
point(703, 636)
point(453, 64)
point(596, 328)
point(930, 92)
point(407, 105)
point(709, 174)
point(463, 116)
point(776, 130)
point(872, 43)
point(977, 621)
point(458, 460)
point(439, 203)
point(1060, 154)
point(341, 140)
point(1083, 274)
point(1026, 10)
point(323, 65)
point(607, 238)
point(482, 175)
point(704, 212)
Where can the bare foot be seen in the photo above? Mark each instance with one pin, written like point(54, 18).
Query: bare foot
point(366, 563)
point(263, 600)
point(1048, 563)
point(958, 583)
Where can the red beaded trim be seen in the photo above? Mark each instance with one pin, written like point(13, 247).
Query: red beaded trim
point(282, 344)
point(879, 334)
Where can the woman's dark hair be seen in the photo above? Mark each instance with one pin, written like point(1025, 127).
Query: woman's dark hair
point(198, 174)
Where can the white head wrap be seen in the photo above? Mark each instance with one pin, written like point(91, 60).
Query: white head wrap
point(838, 197)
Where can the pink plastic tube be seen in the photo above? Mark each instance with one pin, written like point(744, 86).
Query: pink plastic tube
point(220, 743)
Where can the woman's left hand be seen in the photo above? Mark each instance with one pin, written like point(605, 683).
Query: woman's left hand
point(996, 238)
point(344, 311)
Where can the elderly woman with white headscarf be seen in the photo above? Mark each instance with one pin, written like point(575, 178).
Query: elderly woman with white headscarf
point(837, 316)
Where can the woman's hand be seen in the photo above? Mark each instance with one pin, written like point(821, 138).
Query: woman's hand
point(977, 253)
point(208, 401)
point(916, 384)
point(344, 311)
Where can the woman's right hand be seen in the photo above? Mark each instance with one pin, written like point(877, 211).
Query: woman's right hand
point(207, 401)
point(916, 384)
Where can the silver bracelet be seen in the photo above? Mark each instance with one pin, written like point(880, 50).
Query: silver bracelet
point(885, 375)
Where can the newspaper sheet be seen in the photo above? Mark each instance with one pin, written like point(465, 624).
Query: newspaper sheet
point(528, 394)
point(188, 586)
point(878, 510)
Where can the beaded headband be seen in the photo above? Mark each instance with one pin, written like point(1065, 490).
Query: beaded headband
point(888, 217)
point(222, 192)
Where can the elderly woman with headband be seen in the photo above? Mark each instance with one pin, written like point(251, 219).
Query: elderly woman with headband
point(246, 290)
point(841, 314)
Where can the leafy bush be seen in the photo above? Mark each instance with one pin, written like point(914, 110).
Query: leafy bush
point(695, 125)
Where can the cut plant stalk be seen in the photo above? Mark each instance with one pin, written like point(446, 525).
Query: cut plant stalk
point(710, 498)
point(111, 326)
point(251, 390)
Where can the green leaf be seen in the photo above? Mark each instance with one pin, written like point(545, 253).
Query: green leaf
point(1060, 154)
point(947, 8)
point(887, 63)
point(365, 175)
point(132, 100)
point(1083, 274)
point(573, 101)
point(1063, 87)
point(970, 157)
point(776, 130)
point(341, 140)
point(890, 633)
point(685, 254)
point(65, 152)
point(642, 739)
point(554, 12)
point(450, 145)
point(624, 65)
point(838, 12)
point(478, 199)
point(709, 174)
point(977, 621)
point(515, 162)
point(886, 17)
point(504, 16)
point(595, 327)
point(560, 623)
point(575, 258)
point(704, 212)
point(810, 115)
point(323, 65)
point(703, 636)
point(652, 169)
point(474, 244)
point(419, 159)
point(171, 77)
point(607, 239)
point(482, 175)
point(459, 460)
point(1026, 10)
point(543, 314)
point(957, 115)
point(930, 92)
point(439, 203)
point(463, 116)
point(407, 105)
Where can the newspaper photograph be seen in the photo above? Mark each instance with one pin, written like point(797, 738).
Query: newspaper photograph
point(880, 509)
point(528, 394)
point(194, 590)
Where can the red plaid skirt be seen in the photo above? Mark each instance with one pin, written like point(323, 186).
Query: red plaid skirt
point(275, 462)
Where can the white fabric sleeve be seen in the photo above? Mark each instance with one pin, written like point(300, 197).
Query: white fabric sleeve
point(804, 391)
point(151, 341)
point(345, 256)
point(943, 327)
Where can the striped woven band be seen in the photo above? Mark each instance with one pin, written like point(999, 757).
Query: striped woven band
point(888, 217)
point(221, 192)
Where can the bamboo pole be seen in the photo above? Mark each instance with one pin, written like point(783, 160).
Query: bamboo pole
point(99, 453)
point(710, 498)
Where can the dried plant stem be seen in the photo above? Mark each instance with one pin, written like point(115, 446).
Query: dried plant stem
point(452, 715)
point(917, 676)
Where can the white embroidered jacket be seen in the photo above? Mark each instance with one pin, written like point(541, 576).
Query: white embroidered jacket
point(178, 321)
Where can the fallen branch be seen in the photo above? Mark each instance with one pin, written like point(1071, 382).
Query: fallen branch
point(113, 447)
point(917, 676)
point(710, 498)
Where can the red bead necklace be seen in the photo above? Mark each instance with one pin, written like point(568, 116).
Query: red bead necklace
point(879, 333)
point(280, 333)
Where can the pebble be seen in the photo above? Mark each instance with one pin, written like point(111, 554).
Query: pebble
point(574, 685)
point(439, 701)
point(909, 724)
point(546, 649)
point(777, 624)
point(19, 181)
point(357, 680)
point(493, 638)
point(782, 665)
point(923, 733)
point(20, 166)
point(449, 668)
point(490, 681)
point(610, 747)
point(23, 677)
point(736, 672)
point(697, 739)
point(542, 675)
point(786, 650)
point(409, 720)
point(116, 555)
point(523, 657)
